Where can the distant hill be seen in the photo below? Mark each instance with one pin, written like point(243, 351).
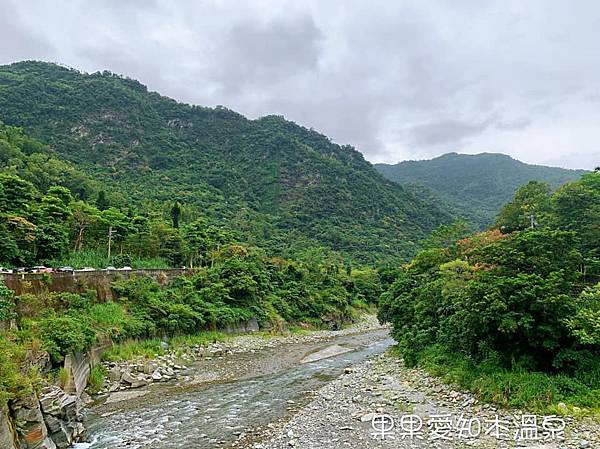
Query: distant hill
point(278, 185)
point(475, 186)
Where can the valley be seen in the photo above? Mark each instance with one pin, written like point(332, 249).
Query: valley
point(175, 275)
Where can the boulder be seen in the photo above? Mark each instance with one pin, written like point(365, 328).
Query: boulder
point(252, 325)
point(69, 407)
point(115, 374)
point(150, 367)
point(47, 444)
point(52, 423)
point(68, 433)
point(134, 381)
point(50, 400)
point(127, 378)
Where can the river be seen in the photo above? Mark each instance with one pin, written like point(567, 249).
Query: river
point(267, 385)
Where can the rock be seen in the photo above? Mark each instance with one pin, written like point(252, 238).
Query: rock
point(47, 444)
point(86, 399)
point(348, 370)
point(52, 423)
point(35, 435)
point(368, 417)
point(584, 444)
point(64, 437)
point(128, 378)
point(150, 367)
point(156, 376)
point(164, 345)
point(137, 382)
point(69, 407)
point(114, 374)
point(6, 435)
point(562, 406)
point(50, 400)
point(252, 325)
point(28, 414)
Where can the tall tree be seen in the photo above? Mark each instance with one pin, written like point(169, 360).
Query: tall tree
point(176, 214)
point(102, 202)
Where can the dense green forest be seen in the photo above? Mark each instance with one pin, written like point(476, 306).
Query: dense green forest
point(271, 182)
point(44, 220)
point(475, 186)
point(52, 213)
point(512, 312)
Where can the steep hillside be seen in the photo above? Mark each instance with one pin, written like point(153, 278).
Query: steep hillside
point(475, 186)
point(277, 184)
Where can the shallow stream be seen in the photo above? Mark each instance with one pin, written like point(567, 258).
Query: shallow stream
point(215, 414)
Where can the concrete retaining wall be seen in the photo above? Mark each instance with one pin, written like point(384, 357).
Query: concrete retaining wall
point(80, 281)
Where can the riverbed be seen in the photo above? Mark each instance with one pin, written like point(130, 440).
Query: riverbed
point(223, 400)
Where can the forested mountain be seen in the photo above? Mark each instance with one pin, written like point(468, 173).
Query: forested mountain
point(475, 186)
point(274, 183)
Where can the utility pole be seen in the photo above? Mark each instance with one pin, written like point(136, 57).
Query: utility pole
point(111, 231)
point(532, 218)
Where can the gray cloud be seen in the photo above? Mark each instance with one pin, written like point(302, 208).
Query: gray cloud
point(397, 79)
point(255, 52)
point(446, 132)
point(19, 42)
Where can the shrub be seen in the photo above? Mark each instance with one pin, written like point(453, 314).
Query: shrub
point(512, 297)
point(13, 382)
point(7, 304)
point(64, 334)
point(96, 380)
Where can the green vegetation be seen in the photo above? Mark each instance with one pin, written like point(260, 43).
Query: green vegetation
point(270, 182)
point(96, 380)
point(512, 313)
point(537, 392)
point(474, 186)
point(147, 348)
point(238, 284)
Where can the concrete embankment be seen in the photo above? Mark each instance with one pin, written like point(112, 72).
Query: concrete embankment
point(81, 281)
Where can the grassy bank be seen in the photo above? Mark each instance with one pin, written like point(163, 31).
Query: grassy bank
point(153, 347)
point(544, 393)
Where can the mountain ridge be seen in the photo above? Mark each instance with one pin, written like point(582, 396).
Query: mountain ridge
point(278, 184)
point(475, 185)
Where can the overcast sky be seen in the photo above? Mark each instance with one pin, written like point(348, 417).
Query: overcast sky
point(396, 79)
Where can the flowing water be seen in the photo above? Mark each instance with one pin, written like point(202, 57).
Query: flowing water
point(213, 415)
